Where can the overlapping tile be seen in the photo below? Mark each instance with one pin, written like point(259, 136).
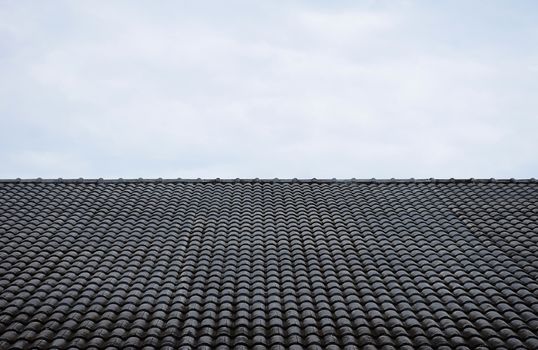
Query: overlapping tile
point(258, 264)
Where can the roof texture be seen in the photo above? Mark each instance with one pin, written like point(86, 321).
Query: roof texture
point(318, 264)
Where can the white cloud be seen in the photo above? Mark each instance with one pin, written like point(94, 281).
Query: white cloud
point(131, 89)
point(47, 164)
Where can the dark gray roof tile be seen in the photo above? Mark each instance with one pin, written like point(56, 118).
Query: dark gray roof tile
point(280, 264)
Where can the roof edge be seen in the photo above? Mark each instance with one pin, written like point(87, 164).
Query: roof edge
point(275, 180)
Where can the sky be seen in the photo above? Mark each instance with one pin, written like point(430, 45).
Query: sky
point(324, 89)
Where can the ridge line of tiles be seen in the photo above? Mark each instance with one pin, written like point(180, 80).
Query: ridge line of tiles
point(275, 180)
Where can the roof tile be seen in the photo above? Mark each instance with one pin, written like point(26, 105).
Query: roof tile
point(269, 263)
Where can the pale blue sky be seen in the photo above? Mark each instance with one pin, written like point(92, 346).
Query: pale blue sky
point(268, 89)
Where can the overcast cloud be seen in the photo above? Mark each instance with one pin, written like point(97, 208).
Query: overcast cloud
point(268, 89)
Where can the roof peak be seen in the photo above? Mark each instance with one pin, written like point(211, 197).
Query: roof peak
point(265, 180)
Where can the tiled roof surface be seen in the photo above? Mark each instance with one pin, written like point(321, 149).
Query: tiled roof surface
point(319, 264)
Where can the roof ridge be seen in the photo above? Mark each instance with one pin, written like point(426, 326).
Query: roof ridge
point(274, 180)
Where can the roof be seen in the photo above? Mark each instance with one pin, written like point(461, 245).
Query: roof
point(318, 264)
point(274, 180)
